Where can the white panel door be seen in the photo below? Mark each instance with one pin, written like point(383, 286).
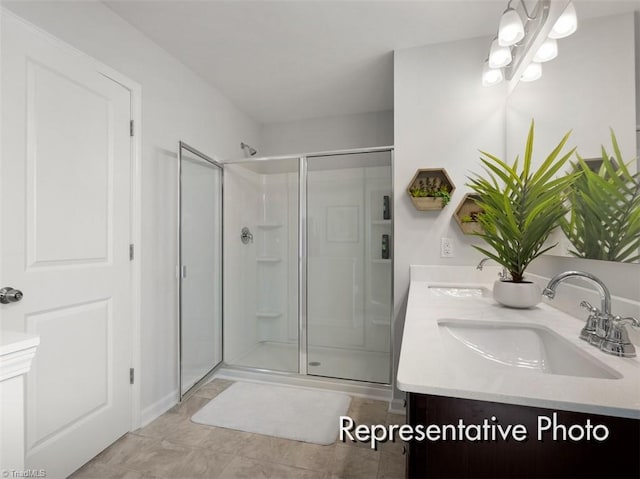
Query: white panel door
point(65, 197)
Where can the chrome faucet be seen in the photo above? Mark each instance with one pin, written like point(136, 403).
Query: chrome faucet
point(482, 262)
point(602, 329)
point(503, 275)
point(605, 296)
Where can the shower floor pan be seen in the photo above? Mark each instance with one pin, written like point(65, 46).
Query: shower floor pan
point(369, 366)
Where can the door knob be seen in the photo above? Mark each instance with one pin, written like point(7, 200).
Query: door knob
point(10, 295)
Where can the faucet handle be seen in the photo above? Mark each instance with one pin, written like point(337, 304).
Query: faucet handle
point(504, 275)
point(588, 332)
point(628, 320)
point(588, 307)
point(617, 340)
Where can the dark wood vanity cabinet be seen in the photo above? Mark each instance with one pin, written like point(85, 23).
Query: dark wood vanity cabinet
point(618, 456)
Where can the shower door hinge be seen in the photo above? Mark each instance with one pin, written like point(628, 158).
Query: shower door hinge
point(131, 252)
point(131, 375)
point(131, 128)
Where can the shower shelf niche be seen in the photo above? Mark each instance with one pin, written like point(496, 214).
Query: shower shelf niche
point(268, 259)
point(381, 261)
point(268, 314)
point(380, 322)
point(379, 226)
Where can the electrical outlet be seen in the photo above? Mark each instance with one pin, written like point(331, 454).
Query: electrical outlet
point(446, 248)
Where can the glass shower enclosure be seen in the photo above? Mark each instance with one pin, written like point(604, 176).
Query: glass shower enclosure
point(309, 264)
point(349, 232)
point(200, 267)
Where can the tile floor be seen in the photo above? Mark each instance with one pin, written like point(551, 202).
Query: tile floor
point(173, 447)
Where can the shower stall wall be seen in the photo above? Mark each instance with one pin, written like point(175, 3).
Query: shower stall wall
point(261, 292)
point(308, 286)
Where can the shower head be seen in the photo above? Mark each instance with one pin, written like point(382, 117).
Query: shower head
point(247, 149)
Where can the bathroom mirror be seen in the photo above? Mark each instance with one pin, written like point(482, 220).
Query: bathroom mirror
point(589, 88)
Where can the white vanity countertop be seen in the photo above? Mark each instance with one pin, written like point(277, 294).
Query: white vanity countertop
point(427, 366)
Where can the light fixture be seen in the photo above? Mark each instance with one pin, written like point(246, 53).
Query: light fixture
point(511, 29)
point(547, 51)
point(532, 72)
point(499, 56)
point(491, 76)
point(521, 26)
point(566, 24)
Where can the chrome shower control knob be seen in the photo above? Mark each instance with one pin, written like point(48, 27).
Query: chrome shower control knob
point(246, 236)
point(10, 295)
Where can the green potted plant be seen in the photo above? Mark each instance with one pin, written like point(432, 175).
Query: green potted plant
point(430, 189)
point(467, 215)
point(604, 222)
point(522, 206)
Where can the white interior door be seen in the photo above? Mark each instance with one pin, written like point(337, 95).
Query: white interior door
point(65, 197)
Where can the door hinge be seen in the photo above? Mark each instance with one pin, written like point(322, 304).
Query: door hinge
point(131, 128)
point(131, 375)
point(131, 252)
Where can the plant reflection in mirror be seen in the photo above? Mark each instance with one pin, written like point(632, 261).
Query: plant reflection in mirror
point(604, 222)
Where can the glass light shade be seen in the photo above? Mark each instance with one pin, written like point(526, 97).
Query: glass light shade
point(499, 56)
point(566, 24)
point(532, 72)
point(491, 76)
point(511, 29)
point(547, 51)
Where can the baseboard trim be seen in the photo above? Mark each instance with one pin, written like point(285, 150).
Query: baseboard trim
point(397, 407)
point(158, 408)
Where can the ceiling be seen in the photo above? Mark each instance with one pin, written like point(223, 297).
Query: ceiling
point(288, 60)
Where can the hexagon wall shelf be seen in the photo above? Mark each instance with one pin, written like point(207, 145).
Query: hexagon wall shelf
point(466, 215)
point(427, 180)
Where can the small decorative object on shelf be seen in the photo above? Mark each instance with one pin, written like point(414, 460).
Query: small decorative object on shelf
point(430, 189)
point(386, 212)
point(385, 247)
point(468, 214)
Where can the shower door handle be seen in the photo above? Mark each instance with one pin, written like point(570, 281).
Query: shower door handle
point(183, 271)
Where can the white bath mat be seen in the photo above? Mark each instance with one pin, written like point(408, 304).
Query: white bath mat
point(287, 412)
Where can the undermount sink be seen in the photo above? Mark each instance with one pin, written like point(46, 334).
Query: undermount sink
point(525, 347)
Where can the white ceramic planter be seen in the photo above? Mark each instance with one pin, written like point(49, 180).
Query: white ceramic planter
point(517, 295)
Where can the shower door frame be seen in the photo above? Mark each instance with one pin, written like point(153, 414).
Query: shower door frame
point(182, 145)
point(303, 258)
